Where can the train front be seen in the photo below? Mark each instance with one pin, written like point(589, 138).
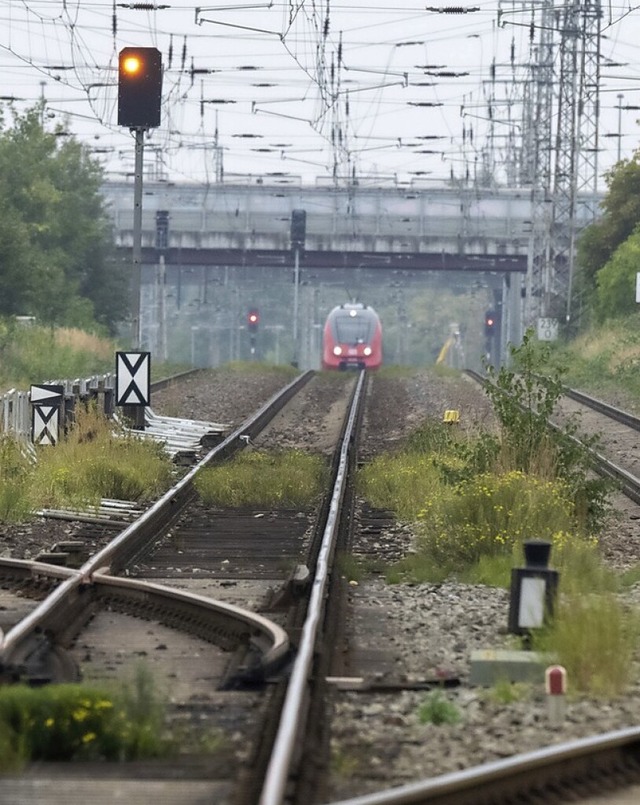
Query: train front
point(352, 338)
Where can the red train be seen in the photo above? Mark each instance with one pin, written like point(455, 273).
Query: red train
point(352, 338)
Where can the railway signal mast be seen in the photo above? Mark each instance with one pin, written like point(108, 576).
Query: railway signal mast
point(139, 100)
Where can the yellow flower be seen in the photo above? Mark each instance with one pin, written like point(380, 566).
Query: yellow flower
point(49, 722)
point(80, 714)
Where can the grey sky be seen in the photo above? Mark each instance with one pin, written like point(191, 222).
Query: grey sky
point(296, 88)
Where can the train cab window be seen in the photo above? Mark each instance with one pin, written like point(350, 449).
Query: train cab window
point(353, 330)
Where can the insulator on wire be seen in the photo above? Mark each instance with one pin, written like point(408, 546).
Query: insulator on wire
point(170, 54)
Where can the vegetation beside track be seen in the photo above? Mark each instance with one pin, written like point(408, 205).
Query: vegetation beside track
point(604, 360)
point(87, 722)
point(474, 498)
point(96, 460)
point(30, 353)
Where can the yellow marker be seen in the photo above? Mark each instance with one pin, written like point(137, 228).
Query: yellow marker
point(451, 416)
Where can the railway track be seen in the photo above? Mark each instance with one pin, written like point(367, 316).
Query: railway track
point(155, 568)
point(147, 549)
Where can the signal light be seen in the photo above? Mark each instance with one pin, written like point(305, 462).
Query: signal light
point(298, 228)
point(489, 323)
point(139, 87)
point(253, 320)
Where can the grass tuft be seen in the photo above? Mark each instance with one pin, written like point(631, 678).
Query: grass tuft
point(258, 478)
point(436, 709)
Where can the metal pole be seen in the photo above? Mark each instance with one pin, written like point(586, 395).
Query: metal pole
point(137, 240)
point(296, 285)
point(620, 97)
point(162, 310)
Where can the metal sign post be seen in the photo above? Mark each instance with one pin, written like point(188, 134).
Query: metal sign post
point(137, 241)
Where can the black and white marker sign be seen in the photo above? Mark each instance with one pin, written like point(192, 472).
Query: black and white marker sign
point(133, 378)
point(46, 402)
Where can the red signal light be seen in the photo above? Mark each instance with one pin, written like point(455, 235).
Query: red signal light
point(489, 323)
point(253, 319)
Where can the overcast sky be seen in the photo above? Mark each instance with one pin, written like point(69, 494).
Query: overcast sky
point(300, 89)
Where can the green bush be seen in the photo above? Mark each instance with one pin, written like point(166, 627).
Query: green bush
point(489, 516)
point(594, 637)
point(95, 462)
point(524, 395)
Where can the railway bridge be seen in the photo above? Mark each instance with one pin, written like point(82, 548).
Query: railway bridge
point(209, 252)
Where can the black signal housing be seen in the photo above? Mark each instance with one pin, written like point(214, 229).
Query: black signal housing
point(139, 87)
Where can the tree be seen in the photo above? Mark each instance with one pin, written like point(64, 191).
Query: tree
point(616, 281)
point(621, 214)
point(55, 235)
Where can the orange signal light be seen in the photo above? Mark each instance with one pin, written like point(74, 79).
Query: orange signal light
point(131, 65)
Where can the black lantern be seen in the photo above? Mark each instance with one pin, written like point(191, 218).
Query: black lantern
point(533, 589)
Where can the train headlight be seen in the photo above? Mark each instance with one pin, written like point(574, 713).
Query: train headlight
point(367, 351)
point(337, 350)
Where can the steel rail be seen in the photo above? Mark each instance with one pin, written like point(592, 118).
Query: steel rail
point(69, 599)
point(233, 624)
point(602, 407)
point(503, 780)
point(629, 483)
point(286, 741)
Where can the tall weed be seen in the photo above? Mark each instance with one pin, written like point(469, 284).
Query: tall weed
point(94, 461)
point(15, 472)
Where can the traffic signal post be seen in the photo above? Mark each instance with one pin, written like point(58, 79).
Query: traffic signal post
point(253, 320)
point(139, 99)
point(298, 235)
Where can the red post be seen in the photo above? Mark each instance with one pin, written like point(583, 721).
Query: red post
point(555, 682)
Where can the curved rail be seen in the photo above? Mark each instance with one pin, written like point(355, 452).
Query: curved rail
point(219, 622)
point(68, 603)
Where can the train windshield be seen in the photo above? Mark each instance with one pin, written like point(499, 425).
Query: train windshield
point(354, 329)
